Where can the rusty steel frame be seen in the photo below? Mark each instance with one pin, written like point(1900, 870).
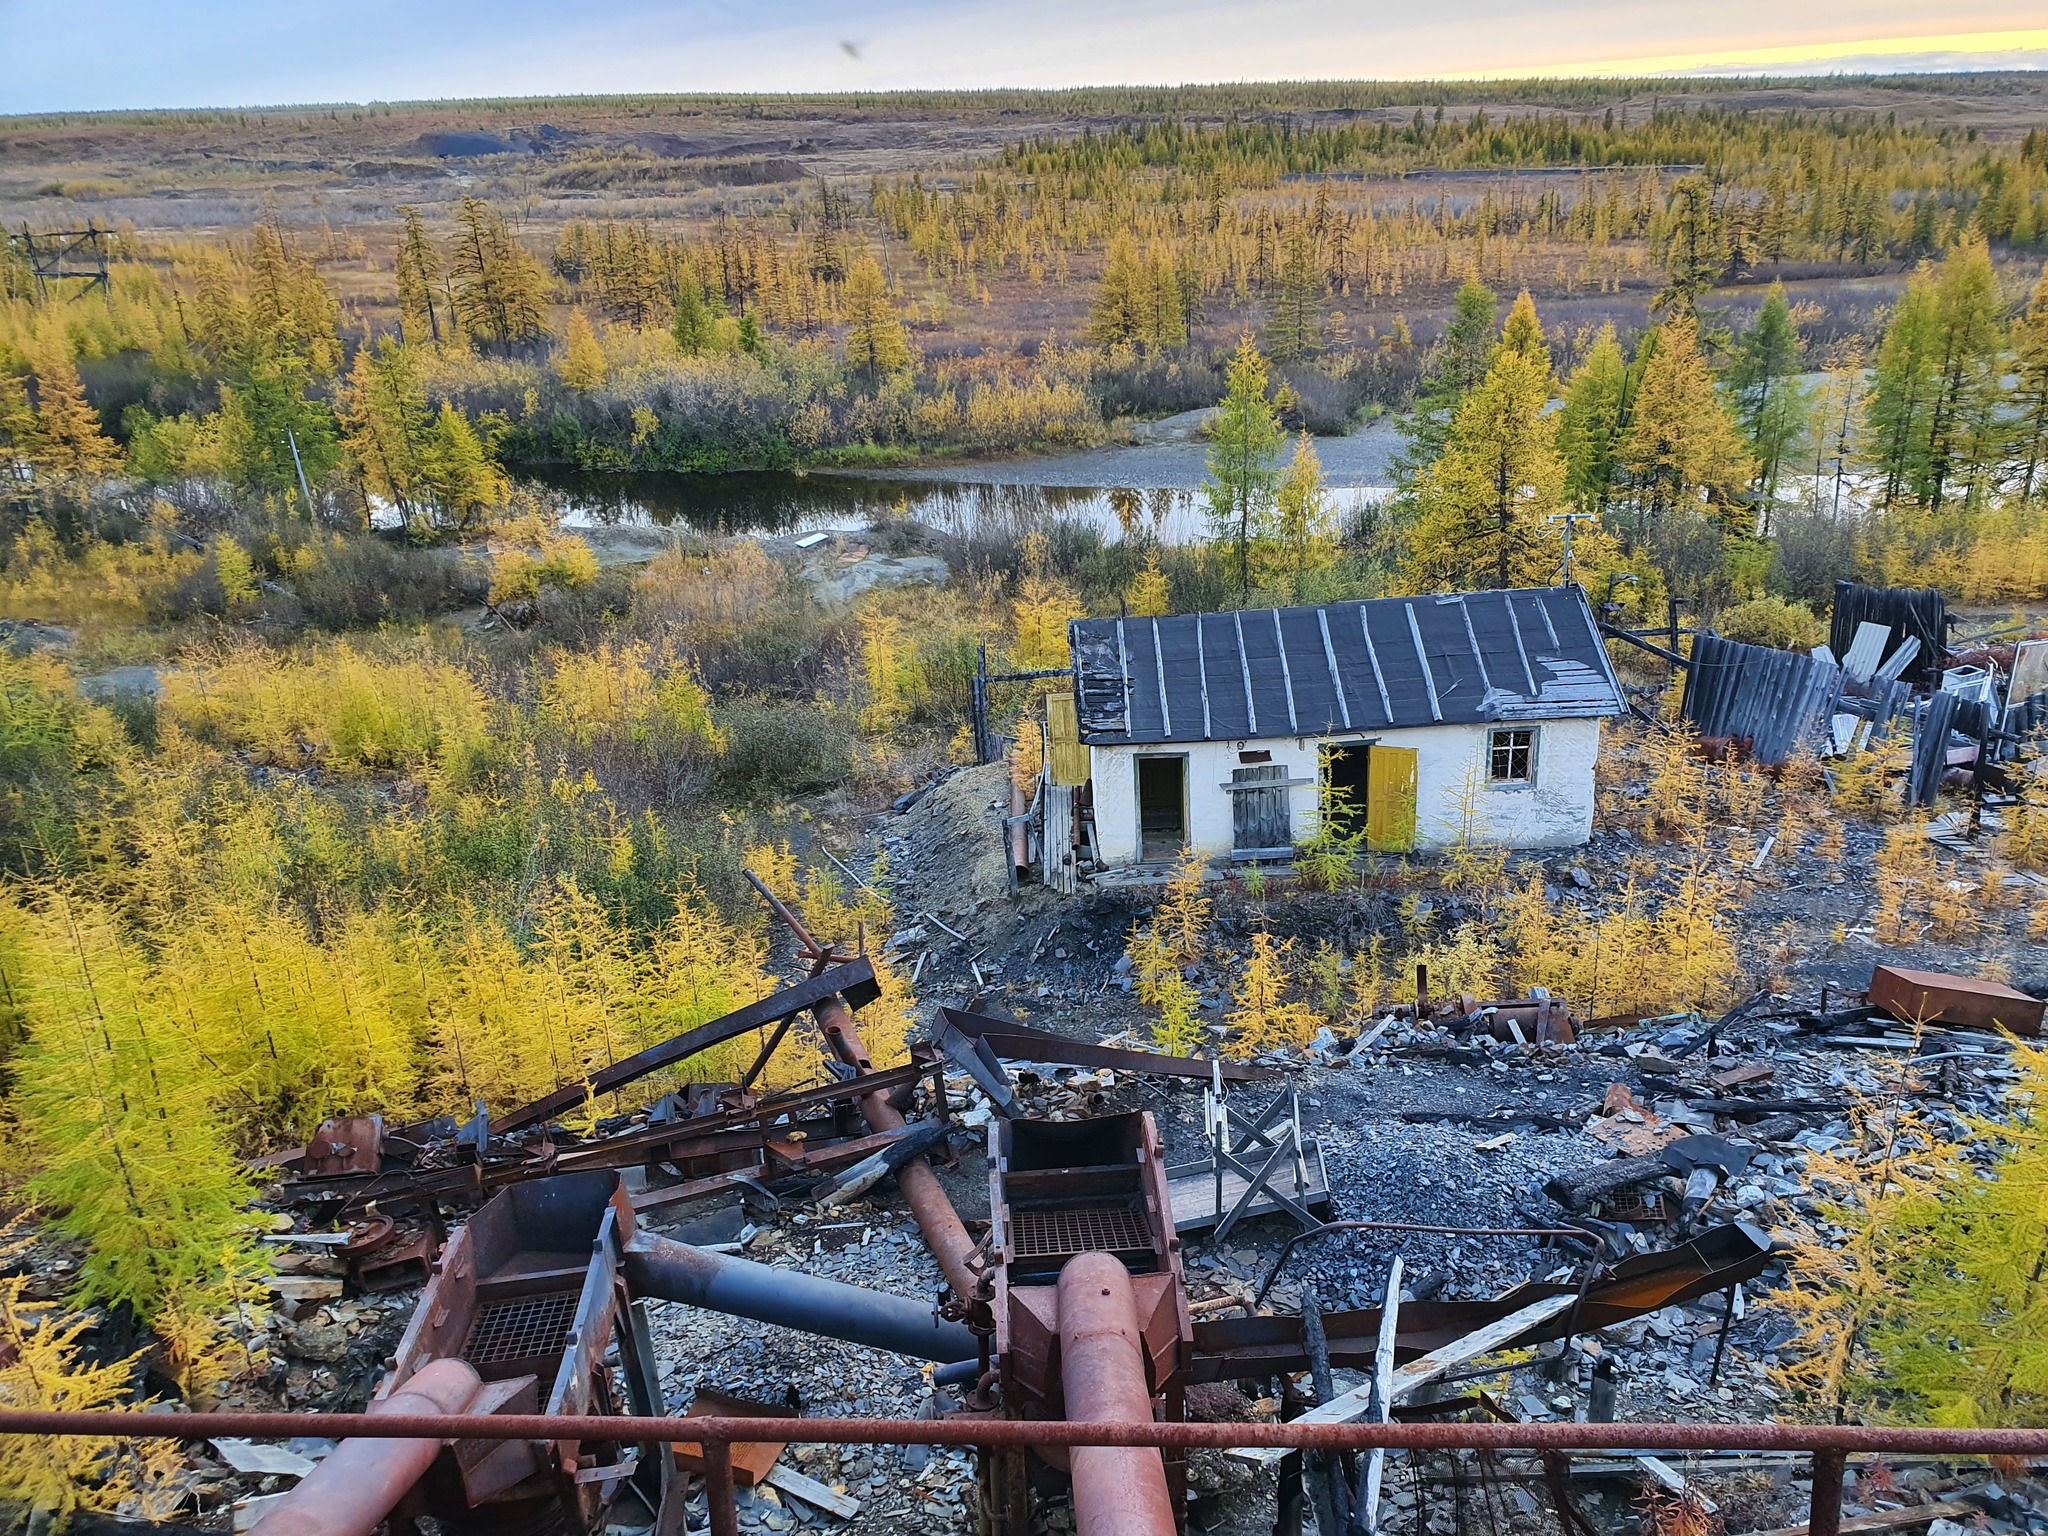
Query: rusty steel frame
point(1829, 1444)
point(944, 1233)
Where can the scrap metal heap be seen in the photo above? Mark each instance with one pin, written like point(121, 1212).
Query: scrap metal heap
point(1073, 1309)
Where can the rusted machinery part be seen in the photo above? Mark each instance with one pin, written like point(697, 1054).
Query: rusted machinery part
point(936, 1218)
point(1118, 1490)
point(361, 1480)
point(788, 1298)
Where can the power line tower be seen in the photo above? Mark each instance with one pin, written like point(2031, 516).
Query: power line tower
point(64, 255)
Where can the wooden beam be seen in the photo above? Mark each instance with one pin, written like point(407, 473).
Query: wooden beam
point(1886, 1520)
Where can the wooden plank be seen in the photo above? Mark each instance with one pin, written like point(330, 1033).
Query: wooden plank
point(1886, 1520)
point(1383, 1393)
point(1069, 759)
point(811, 1491)
point(1357, 1403)
point(1194, 1197)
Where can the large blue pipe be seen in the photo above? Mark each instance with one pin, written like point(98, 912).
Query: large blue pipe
point(672, 1271)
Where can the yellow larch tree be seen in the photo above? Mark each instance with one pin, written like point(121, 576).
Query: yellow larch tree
point(1262, 1017)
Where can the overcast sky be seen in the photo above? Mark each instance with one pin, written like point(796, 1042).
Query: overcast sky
point(59, 54)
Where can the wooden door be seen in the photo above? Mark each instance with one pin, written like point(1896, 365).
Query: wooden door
point(1390, 799)
point(1262, 820)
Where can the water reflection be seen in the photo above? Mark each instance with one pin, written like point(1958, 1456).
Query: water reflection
point(780, 502)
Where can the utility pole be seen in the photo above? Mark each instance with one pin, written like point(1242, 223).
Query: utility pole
point(1570, 520)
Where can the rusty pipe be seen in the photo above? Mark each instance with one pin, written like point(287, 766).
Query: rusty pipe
point(788, 1298)
point(1020, 837)
point(1118, 1490)
point(362, 1480)
point(936, 1218)
point(399, 1424)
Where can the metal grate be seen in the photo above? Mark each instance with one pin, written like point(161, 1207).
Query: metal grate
point(521, 1329)
point(1078, 1229)
point(1639, 1210)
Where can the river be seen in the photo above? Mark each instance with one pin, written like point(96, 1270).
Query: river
point(1158, 483)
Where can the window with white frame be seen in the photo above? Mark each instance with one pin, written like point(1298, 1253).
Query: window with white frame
point(1511, 755)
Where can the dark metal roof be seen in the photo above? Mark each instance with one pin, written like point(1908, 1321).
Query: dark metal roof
point(1391, 663)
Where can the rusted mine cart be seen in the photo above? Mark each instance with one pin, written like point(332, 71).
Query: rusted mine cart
point(1091, 1318)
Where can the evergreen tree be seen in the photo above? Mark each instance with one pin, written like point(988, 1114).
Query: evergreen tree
point(1902, 389)
point(1681, 447)
point(1696, 246)
point(583, 360)
point(419, 274)
point(1483, 504)
point(457, 475)
point(1294, 329)
point(1457, 364)
point(384, 415)
point(17, 426)
point(2030, 392)
point(875, 345)
point(499, 294)
point(1169, 308)
point(1303, 520)
point(1242, 442)
point(1125, 300)
point(1964, 424)
point(1773, 410)
point(68, 445)
point(1523, 332)
point(273, 429)
point(691, 324)
point(1148, 596)
point(1589, 424)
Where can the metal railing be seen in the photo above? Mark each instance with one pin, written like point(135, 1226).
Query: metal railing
point(1830, 1444)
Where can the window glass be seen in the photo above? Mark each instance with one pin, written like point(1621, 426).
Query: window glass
point(1511, 755)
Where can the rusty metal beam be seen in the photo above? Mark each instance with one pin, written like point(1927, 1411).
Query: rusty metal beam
point(855, 980)
point(1118, 1490)
point(1010, 1039)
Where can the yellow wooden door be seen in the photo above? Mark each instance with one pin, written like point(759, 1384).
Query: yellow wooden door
point(1390, 799)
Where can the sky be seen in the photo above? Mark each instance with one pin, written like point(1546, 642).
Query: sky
point(58, 55)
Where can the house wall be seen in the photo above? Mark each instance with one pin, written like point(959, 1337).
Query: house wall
point(1556, 811)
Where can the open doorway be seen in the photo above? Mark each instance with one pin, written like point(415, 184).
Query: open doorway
point(1344, 771)
point(1162, 807)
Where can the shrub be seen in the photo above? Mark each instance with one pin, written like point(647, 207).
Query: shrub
point(342, 707)
point(353, 583)
point(777, 748)
point(1773, 622)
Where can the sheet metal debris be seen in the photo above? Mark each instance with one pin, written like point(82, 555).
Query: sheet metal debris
point(1964, 1002)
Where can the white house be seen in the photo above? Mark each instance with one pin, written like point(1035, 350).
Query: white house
point(1215, 730)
